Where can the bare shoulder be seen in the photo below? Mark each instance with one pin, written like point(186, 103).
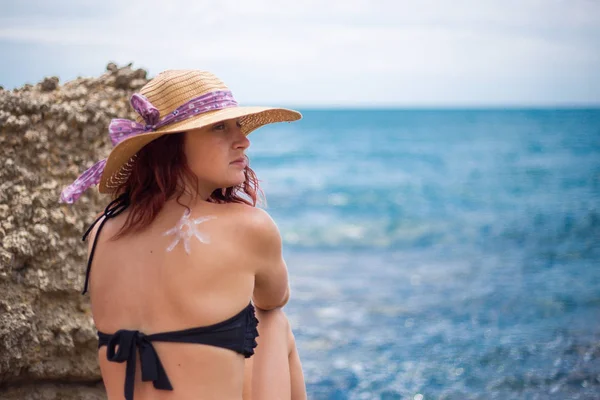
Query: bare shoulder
point(257, 225)
point(109, 227)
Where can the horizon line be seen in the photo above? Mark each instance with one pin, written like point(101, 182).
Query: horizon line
point(573, 105)
point(449, 107)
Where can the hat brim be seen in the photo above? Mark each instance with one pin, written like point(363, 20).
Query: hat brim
point(251, 119)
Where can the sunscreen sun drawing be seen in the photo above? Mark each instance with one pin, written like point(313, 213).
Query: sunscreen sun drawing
point(185, 229)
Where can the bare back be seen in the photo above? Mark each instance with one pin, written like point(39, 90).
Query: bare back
point(137, 284)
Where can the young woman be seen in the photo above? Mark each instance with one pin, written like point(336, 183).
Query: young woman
point(188, 280)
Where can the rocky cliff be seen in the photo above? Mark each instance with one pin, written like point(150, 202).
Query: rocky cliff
point(49, 134)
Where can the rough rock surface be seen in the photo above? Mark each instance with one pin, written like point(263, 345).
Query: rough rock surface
point(49, 134)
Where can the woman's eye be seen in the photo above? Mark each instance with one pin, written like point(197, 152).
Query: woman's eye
point(239, 124)
point(219, 127)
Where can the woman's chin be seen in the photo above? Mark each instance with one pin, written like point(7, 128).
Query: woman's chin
point(237, 180)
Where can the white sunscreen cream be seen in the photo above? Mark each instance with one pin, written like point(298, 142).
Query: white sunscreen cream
point(185, 229)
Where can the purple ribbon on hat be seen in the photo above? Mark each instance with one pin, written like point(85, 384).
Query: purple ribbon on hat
point(120, 129)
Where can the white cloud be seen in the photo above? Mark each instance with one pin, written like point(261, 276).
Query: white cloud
point(343, 52)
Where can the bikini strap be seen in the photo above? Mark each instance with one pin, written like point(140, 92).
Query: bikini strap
point(114, 208)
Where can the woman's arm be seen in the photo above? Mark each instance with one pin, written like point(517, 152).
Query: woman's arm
point(271, 287)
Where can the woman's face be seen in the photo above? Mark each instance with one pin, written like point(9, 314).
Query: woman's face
point(212, 152)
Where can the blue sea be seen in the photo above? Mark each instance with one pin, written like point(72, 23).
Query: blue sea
point(440, 254)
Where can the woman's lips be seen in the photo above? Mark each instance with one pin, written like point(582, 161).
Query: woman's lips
point(240, 162)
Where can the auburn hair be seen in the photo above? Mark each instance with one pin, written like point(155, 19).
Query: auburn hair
point(155, 176)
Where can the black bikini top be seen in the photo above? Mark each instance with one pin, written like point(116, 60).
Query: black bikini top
point(237, 333)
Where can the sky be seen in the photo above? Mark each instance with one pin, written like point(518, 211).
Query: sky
point(326, 53)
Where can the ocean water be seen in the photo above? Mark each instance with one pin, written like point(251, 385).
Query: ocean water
point(440, 254)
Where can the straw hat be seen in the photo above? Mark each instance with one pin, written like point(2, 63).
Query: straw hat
point(174, 101)
point(169, 90)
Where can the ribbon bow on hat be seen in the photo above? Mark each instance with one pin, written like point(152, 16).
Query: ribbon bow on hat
point(120, 129)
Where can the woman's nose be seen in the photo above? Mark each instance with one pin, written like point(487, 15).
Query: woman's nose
point(242, 140)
